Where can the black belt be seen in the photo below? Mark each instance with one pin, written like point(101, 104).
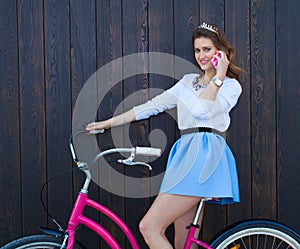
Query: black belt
point(202, 129)
point(196, 129)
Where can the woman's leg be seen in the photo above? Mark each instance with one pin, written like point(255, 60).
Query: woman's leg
point(164, 211)
point(180, 225)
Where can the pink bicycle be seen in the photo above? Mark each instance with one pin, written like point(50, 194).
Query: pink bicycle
point(258, 234)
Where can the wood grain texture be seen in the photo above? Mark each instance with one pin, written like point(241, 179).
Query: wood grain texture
point(288, 108)
point(263, 92)
point(49, 50)
point(109, 48)
point(135, 21)
point(58, 108)
point(32, 112)
point(186, 19)
point(239, 134)
point(83, 66)
point(212, 11)
point(10, 179)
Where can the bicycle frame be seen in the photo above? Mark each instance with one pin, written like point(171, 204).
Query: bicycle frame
point(77, 218)
point(82, 201)
point(192, 240)
point(193, 228)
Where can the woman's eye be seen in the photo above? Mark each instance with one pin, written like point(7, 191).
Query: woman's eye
point(207, 49)
point(196, 50)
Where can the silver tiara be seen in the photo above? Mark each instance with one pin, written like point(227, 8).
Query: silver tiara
point(204, 25)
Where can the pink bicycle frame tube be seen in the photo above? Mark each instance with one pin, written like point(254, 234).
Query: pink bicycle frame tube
point(191, 239)
point(78, 218)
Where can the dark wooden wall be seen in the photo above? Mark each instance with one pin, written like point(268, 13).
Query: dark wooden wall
point(49, 49)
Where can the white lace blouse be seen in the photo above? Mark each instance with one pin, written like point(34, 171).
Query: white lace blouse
point(193, 111)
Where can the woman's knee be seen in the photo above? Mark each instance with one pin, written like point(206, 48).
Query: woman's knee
point(148, 227)
point(142, 226)
point(145, 226)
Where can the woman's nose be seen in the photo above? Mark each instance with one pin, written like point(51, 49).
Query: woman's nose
point(201, 54)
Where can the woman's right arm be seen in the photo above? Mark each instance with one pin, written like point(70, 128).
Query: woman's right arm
point(121, 119)
point(160, 103)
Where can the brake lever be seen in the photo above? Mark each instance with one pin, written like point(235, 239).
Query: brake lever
point(129, 161)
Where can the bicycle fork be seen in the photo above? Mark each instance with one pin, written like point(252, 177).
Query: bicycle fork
point(74, 221)
point(65, 241)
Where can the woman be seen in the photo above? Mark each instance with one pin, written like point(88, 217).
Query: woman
point(200, 163)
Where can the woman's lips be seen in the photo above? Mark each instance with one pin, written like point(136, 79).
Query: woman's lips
point(203, 62)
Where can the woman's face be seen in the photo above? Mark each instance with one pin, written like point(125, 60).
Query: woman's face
point(204, 50)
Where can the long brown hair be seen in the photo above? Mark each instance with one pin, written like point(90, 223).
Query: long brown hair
point(220, 41)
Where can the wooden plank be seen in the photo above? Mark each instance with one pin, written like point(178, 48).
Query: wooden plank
point(212, 11)
point(32, 112)
point(83, 66)
point(35, 118)
point(58, 108)
point(186, 19)
point(238, 35)
point(135, 40)
point(263, 108)
point(288, 111)
point(109, 48)
point(215, 218)
point(10, 179)
point(162, 127)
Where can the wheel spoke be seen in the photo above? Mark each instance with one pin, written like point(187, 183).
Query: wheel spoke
point(280, 243)
point(274, 239)
point(265, 242)
point(244, 243)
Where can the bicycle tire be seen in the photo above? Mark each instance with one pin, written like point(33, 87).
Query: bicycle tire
point(38, 242)
point(257, 234)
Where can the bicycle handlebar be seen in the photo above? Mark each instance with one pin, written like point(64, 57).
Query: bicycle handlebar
point(144, 151)
point(96, 131)
point(147, 151)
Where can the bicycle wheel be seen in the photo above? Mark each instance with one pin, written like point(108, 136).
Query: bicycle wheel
point(257, 234)
point(37, 242)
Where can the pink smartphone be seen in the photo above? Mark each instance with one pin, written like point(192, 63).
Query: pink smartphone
point(215, 61)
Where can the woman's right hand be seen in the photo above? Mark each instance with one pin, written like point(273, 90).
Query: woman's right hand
point(121, 119)
point(98, 125)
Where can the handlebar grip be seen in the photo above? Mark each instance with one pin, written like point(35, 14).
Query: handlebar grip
point(148, 151)
point(96, 131)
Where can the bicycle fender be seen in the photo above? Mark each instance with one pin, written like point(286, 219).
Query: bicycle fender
point(52, 232)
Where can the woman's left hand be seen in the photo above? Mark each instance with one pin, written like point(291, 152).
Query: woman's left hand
point(222, 66)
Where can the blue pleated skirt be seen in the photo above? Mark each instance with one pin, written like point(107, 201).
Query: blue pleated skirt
point(201, 164)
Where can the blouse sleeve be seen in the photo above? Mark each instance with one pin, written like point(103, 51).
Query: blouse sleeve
point(229, 94)
point(226, 99)
point(164, 101)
